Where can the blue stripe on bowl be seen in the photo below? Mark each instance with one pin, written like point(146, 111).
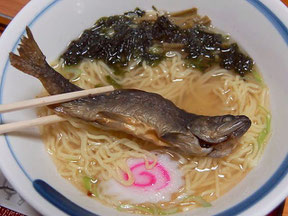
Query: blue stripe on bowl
point(61, 202)
point(2, 87)
point(260, 193)
point(58, 200)
point(277, 23)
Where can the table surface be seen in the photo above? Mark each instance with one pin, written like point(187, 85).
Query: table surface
point(10, 8)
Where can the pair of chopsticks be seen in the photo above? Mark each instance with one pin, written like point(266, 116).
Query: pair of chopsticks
point(44, 101)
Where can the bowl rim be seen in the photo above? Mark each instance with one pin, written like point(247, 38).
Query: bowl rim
point(280, 177)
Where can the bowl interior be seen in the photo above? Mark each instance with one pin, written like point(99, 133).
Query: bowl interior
point(55, 23)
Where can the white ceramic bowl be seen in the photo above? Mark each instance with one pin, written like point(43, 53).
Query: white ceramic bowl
point(259, 26)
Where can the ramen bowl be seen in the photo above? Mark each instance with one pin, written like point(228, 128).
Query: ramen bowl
point(259, 26)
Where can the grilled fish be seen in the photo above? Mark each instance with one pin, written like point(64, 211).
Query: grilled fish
point(143, 114)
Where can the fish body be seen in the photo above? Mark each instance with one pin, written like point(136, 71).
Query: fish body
point(144, 114)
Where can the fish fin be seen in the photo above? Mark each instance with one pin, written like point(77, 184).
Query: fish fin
point(223, 149)
point(30, 60)
point(187, 143)
point(130, 126)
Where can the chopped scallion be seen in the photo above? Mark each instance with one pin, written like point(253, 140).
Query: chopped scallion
point(87, 183)
point(199, 200)
point(72, 72)
point(90, 186)
point(257, 77)
point(153, 210)
point(112, 82)
point(134, 207)
point(266, 130)
point(98, 85)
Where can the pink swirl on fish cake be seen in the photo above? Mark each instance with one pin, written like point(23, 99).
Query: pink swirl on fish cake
point(155, 179)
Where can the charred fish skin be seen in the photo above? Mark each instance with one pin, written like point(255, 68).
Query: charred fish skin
point(131, 106)
point(128, 110)
point(176, 127)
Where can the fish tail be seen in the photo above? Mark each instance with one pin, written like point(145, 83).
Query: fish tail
point(32, 61)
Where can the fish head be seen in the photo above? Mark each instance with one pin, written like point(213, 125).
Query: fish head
point(213, 136)
point(217, 129)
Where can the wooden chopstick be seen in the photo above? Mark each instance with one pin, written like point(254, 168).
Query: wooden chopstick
point(54, 99)
point(9, 127)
